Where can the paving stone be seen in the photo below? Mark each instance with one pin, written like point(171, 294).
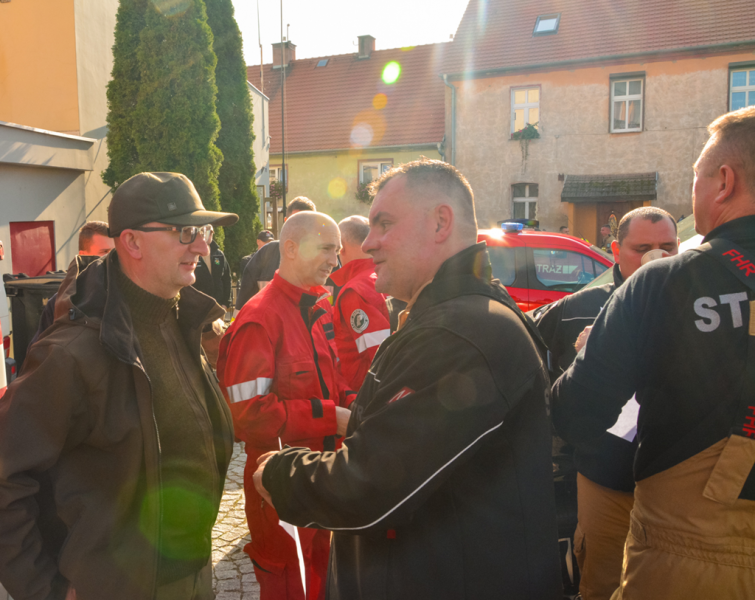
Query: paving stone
point(232, 568)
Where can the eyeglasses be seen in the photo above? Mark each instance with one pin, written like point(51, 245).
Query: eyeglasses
point(187, 234)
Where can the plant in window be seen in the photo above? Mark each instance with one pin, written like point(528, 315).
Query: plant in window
point(276, 190)
point(524, 135)
point(363, 192)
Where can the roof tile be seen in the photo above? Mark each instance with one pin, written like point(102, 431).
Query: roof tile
point(339, 106)
point(497, 34)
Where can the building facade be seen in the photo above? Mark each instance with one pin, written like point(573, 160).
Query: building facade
point(349, 118)
point(56, 58)
point(619, 98)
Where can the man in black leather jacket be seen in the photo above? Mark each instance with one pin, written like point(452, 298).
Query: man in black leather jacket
point(443, 487)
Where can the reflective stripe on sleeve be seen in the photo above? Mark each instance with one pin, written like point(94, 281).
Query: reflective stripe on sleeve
point(368, 340)
point(249, 389)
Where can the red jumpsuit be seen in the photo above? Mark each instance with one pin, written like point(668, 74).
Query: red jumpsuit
point(277, 369)
point(360, 318)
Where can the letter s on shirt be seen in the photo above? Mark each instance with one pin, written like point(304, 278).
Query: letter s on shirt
point(710, 319)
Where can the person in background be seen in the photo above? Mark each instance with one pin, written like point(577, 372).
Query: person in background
point(360, 314)
point(564, 229)
point(443, 488)
point(94, 239)
point(678, 337)
point(278, 370)
point(214, 276)
point(260, 269)
point(115, 439)
point(607, 238)
point(94, 243)
point(605, 482)
point(263, 237)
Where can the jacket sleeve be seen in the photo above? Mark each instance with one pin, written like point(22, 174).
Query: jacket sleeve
point(587, 399)
point(547, 319)
point(441, 405)
point(36, 425)
point(249, 378)
point(352, 313)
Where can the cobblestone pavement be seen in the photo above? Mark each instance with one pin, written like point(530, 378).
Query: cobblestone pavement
point(233, 573)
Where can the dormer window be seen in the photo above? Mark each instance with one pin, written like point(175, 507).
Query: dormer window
point(547, 24)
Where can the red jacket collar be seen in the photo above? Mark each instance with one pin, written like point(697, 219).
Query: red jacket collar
point(295, 293)
point(351, 269)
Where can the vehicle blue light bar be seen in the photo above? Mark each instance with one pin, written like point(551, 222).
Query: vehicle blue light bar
point(509, 227)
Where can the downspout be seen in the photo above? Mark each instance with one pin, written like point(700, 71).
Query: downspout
point(453, 119)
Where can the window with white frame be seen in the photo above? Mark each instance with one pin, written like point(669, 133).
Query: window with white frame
point(525, 107)
point(524, 200)
point(371, 170)
point(276, 173)
point(626, 104)
point(742, 91)
point(547, 24)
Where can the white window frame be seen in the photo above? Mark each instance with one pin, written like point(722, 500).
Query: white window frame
point(527, 200)
point(382, 165)
point(748, 89)
point(275, 174)
point(551, 17)
point(626, 99)
point(526, 106)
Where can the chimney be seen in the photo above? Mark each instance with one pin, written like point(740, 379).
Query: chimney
point(366, 46)
point(288, 49)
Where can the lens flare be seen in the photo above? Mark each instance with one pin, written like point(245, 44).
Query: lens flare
point(379, 101)
point(361, 134)
point(391, 72)
point(171, 8)
point(337, 188)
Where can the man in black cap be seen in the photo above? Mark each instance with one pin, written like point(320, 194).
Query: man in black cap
point(115, 439)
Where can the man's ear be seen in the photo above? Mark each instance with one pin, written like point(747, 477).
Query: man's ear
point(130, 243)
point(727, 180)
point(616, 250)
point(290, 249)
point(444, 222)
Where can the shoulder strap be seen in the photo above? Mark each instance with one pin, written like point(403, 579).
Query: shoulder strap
point(734, 258)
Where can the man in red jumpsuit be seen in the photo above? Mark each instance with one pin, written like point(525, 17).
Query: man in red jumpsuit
point(360, 315)
point(278, 372)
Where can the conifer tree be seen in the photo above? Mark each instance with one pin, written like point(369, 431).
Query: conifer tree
point(175, 123)
point(234, 107)
point(122, 92)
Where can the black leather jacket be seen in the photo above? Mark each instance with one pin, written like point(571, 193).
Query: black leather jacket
point(443, 488)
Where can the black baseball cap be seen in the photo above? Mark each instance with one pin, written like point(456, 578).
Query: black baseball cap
point(169, 198)
point(265, 236)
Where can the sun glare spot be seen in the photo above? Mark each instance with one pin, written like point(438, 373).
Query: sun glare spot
point(171, 8)
point(391, 72)
point(361, 134)
point(337, 188)
point(379, 101)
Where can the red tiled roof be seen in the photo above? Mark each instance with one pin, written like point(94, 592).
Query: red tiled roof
point(497, 34)
point(337, 106)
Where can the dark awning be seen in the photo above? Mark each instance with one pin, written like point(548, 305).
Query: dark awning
point(631, 187)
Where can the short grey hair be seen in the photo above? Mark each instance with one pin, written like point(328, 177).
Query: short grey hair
point(354, 229)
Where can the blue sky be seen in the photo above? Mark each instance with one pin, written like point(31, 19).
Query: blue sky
point(325, 27)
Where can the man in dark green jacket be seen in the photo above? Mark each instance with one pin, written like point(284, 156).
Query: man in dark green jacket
point(443, 487)
point(115, 439)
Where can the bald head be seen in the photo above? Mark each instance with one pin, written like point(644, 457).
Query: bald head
point(309, 243)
